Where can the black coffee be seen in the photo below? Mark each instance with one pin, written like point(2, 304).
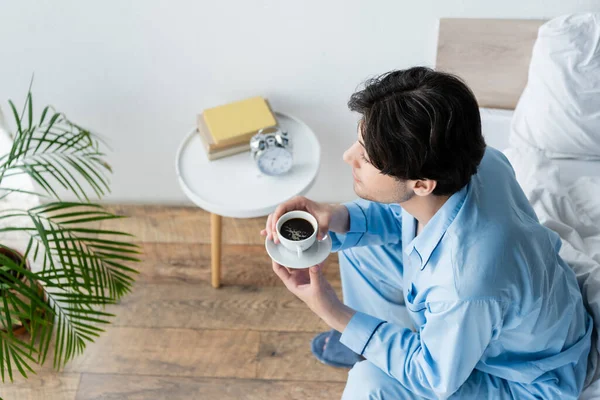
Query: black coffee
point(296, 229)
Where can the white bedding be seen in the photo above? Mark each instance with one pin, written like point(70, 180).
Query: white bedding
point(559, 109)
point(495, 125)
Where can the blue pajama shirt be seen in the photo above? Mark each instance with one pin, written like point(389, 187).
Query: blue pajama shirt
point(490, 308)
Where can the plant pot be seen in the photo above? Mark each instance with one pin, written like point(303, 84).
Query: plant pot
point(21, 327)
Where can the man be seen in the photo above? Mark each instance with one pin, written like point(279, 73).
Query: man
point(442, 231)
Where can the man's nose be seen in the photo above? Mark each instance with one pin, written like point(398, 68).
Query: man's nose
point(349, 157)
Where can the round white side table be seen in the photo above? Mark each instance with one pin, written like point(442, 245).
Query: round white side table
point(234, 187)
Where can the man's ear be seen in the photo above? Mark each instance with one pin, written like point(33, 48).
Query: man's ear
point(424, 187)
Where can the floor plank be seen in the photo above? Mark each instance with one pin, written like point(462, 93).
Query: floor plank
point(150, 223)
point(171, 352)
point(199, 306)
point(287, 356)
point(241, 265)
point(46, 385)
point(117, 387)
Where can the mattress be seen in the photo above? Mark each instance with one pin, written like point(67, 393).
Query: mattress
point(495, 125)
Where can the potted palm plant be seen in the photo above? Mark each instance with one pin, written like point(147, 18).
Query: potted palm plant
point(54, 289)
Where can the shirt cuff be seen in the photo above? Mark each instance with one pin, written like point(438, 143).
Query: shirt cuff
point(358, 219)
point(358, 227)
point(359, 331)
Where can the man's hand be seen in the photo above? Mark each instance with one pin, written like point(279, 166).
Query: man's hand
point(310, 286)
point(329, 217)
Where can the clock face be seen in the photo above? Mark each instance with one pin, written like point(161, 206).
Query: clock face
point(275, 161)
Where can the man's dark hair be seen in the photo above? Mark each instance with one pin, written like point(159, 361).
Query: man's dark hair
point(421, 124)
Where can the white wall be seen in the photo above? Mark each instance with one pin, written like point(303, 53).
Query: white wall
point(138, 71)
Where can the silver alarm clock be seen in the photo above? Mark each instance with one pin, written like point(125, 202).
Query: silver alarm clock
point(271, 149)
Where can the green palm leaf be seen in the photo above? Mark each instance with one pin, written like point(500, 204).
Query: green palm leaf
point(56, 149)
point(82, 267)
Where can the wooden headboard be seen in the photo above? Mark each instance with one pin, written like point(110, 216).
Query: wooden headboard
point(491, 55)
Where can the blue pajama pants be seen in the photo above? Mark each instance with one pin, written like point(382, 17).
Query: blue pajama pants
point(378, 292)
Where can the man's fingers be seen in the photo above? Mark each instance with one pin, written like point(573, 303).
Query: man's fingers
point(316, 269)
point(316, 274)
point(282, 272)
point(274, 218)
point(295, 203)
point(268, 226)
point(322, 233)
point(279, 211)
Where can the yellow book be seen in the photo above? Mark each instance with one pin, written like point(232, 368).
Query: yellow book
point(241, 119)
point(216, 154)
point(208, 139)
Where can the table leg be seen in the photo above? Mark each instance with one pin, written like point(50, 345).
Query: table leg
point(215, 227)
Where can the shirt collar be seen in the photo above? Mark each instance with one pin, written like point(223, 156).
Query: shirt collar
point(431, 235)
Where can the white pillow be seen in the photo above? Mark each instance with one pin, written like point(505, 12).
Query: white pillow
point(559, 110)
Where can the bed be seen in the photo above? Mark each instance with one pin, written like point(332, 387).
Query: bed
point(494, 57)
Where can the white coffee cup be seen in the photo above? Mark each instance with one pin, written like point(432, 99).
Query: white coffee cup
point(297, 246)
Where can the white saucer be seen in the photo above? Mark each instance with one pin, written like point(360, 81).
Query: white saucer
point(316, 254)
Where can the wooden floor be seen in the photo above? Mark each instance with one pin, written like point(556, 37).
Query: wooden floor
point(175, 337)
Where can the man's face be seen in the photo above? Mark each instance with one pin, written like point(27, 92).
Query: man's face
point(369, 182)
